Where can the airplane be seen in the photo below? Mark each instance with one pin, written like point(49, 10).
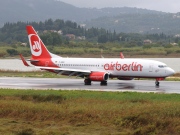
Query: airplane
point(93, 69)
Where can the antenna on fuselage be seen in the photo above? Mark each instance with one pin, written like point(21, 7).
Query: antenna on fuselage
point(121, 55)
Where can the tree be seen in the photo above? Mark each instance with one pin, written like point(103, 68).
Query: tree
point(56, 38)
point(102, 38)
point(12, 52)
point(51, 38)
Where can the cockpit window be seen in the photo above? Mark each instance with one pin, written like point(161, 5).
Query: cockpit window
point(162, 66)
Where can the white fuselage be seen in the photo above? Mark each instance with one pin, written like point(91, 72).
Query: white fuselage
point(117, 67)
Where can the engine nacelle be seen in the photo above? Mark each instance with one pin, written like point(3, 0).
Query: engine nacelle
point(125, 78)
point(99, 76)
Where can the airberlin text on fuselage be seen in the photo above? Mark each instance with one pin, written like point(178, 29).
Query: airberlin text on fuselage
point(134, 66)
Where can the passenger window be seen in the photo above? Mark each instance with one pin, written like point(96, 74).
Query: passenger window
point(162, 66)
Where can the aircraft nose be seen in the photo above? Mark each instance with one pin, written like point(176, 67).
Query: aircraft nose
point(170, 71)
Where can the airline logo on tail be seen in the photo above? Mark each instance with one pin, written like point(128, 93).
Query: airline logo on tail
point(38, 49)
point(35, 44)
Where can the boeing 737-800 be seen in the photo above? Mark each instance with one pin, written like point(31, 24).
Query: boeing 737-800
point(94, 69)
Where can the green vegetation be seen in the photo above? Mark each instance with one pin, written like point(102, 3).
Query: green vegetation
point(139, 22)
point(52, 32)
point(13, 39)
point(55, 33)
point(122, 19)
point(38, 74)
point(88, 49)
point(84, 112)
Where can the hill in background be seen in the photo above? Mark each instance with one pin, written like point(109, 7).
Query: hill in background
point(120, 19)
point(139, 23)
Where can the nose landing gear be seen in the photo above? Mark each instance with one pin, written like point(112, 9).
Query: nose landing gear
point(157, 81)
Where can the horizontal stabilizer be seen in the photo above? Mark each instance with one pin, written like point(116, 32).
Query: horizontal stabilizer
point(24, 61)
point(33, 60)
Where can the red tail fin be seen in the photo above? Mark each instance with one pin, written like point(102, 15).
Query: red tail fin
point(38, 49)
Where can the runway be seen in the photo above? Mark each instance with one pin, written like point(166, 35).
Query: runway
point(78, 84)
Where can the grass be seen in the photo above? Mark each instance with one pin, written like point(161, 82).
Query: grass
point(85, 49)
point(85, 112)
point(38, 74)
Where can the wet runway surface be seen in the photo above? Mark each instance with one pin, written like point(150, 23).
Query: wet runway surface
point(78, 84)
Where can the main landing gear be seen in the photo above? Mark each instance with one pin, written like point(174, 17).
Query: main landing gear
point(157, 83)
point(103, 83)
point(88, 82)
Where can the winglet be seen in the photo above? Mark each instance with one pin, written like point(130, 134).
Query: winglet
point(121, 55)
point(23, 60)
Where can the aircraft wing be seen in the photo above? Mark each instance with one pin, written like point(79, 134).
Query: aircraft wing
point(67, 71)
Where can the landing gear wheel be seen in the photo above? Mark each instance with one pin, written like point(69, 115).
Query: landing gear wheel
point(157, 83)
point(103, 83)
point(87, 82)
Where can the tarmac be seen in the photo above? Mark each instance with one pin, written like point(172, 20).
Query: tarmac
point(78, 84)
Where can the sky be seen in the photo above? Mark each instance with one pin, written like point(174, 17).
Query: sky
point(171, 6)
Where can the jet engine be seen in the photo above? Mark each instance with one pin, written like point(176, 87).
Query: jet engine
point(99, 76)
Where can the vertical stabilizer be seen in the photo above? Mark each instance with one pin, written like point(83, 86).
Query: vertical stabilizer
point(38, 49)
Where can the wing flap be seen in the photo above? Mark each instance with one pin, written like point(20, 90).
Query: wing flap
point(64, 69)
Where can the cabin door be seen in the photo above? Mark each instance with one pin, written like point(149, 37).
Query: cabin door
point(151, 68)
